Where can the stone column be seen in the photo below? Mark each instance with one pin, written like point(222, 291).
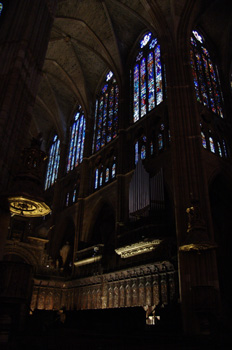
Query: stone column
point(197, 259)
point(25, 30)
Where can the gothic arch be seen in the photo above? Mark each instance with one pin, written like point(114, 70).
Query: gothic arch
point(12, 252)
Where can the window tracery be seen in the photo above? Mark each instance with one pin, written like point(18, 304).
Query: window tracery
point(106, 113)
point(104, 172)
point(148, 82)
point(77, 139)
point(205, 75)
point(53, 163)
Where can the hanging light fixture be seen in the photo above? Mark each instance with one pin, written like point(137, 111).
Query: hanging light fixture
point(26, 194)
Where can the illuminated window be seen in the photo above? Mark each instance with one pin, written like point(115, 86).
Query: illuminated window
point(77, 139)
point(67, 200)
point(74, 198)
point(107, 174)
point(101, 178)
point(161, 137)
point(219, 149)
point(205, 75)
point(53, 163)
point(96, 179)
point(211, 144)
point(203, 140)
point(1, 8)
point(136, 152)
point(113, 171)
point(106, 113)
point(148, 86)
point(224, 148)
point(140, 149)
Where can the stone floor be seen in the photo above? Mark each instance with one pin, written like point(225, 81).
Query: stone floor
point(50, 333)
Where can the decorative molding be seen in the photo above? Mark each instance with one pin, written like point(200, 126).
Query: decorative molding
point(87, 261)
point(138, 248)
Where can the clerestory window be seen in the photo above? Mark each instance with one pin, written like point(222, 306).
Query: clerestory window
point(106, 113)
point(53, 163)
point(76, 141)
point(147, 77)
point(205, 75)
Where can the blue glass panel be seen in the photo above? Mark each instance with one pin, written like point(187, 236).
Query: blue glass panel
point(136, 93)
point(53, 163)
point(113, 170)
point(106, 114)
point(145, 40)
point(143, 88)
point(151, 81)
point(160, 142)
point(115, 129)
point(96, 179)
point(143, 152)
point(205, 75)
point(136, 152)
point(74, 196)
point(158, 72)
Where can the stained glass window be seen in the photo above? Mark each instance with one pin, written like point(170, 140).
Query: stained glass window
point(106, 113)
point(101, 178)
point(160, 142)
point(107, 174)
point(67, 200)
point(205, 75)
point(96, 179)
point(53, 163)
point(211, 143)
point(224, 148)
point(136, 152)
point(77, 139)
point(1, 7)
point(113, 170)
point(151, 148)
point(143, 152)
point(219, 149)
point(203, 140)
point(148, 86)
point(74, 196)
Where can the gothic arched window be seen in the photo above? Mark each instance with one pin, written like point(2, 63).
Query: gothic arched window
point(53, 163)
point(205, 75)
point(106, 113)
point(140, 149)
point(77, 139)
point(147, 77)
